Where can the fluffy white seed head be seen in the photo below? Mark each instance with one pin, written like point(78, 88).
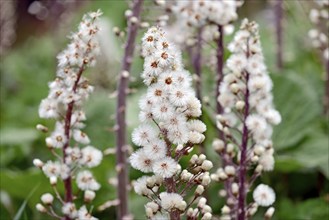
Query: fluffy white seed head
point(264, 195)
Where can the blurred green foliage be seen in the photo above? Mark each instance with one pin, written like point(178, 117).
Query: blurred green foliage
point(301, 174)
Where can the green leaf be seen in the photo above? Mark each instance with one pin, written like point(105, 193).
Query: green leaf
point(299, 106)
point(17, 136)
point(313, 153)
point(20, 183)
point(311, 209)
point(22, 208)
point(286, 163)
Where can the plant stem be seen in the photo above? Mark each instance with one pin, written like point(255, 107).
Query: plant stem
point(243, 160)
point(220, 62)
point(197, 64)
point(120, 113)
point(219, 108)
point(326, 95)
point(170, 182)
point(67, 129)
point(278, 26)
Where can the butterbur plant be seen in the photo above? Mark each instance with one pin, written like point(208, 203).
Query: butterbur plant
point(246, 148)
point(168, 131)
point(67, 94)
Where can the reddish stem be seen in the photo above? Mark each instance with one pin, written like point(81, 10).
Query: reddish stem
point(197, 64)
point(170, 182)
point(67, 129)
point(243, 160)
point(120, 113)
point(220, 62)
point(219, 108)
point(326, 95)
point(278, 26)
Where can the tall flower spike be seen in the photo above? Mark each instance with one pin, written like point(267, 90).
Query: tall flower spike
point(198, 23)
point(246, 124)
point(67, 94)
point(319, 38)
point(168, 131)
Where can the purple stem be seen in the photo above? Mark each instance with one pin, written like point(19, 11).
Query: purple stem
point(220, 62)
point(326, 95)
point(278, 26)
point(67, 128)
point(243, 160)
point(219, 108)
point(170, 182)
point(197, 64)
point(120, 113)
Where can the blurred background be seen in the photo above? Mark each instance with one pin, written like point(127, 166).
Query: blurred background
point(34, 32)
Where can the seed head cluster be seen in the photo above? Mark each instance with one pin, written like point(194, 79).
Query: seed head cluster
point(169, 130)
point(67, 93)
point(247, 120)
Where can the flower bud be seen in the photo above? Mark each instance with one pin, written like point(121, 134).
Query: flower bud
point(199, 190)
point(235, 189)
point(206, 216)
point(253, 209)
point(133, 20)
point(53, 180)
point(116, 31)
point(202, 202)
point(239, 105)
point(258, 150)
point(206, 208)
point(201, 158)
point(206, 180)
point(222, 176)
point(259, 169)
point(269, 213)
point(216, 35)
point(218, 145)
point(89, 195)
point(189, 212)
point(222, 193)
point(148, 212)
point(234, 88)
point(214, 177)
point(128, 13)
point(47, 199)
point(38, 163)
point(206, 165)
point(150, 182)
point(255, 159)
point(229, 148)
point(182, 205)
point(194, 159)
point(125, 74)
point(226, 210)
point(160, 2)
point(42, 128)
point(230, 170)
point(144, 25)
point(41, 208)
point(179, 147)
point(227, 131)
